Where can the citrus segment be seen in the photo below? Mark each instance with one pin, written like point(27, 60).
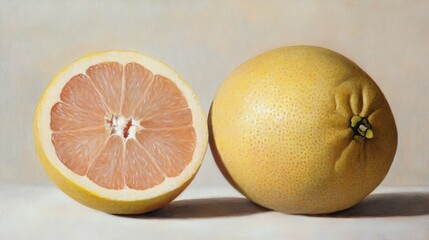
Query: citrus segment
point(65, 117)
point(107, 167)
point(107, 79)
point(162, 96)
point(141, 171)
point(80, 93)
point(178, 118)
point(137, 81)
point(76, 149)
point(172, 147)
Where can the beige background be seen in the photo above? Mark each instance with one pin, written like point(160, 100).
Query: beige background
point(204, 41)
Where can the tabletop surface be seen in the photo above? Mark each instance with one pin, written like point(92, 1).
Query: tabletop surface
point(44, 212)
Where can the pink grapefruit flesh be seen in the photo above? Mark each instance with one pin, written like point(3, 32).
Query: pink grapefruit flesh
point(123, 127)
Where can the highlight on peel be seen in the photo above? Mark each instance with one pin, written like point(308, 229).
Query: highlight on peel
point(120, 132)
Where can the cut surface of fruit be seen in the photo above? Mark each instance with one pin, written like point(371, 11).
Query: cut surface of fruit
point(121, 126)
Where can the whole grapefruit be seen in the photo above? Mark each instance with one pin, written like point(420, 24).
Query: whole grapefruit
point(303, 130)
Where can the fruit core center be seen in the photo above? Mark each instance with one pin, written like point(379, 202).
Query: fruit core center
point(121, 126)
point(362, 129)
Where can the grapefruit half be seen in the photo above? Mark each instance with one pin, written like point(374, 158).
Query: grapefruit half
point(120, 132)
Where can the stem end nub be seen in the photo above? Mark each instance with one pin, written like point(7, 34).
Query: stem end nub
point(362, 129)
